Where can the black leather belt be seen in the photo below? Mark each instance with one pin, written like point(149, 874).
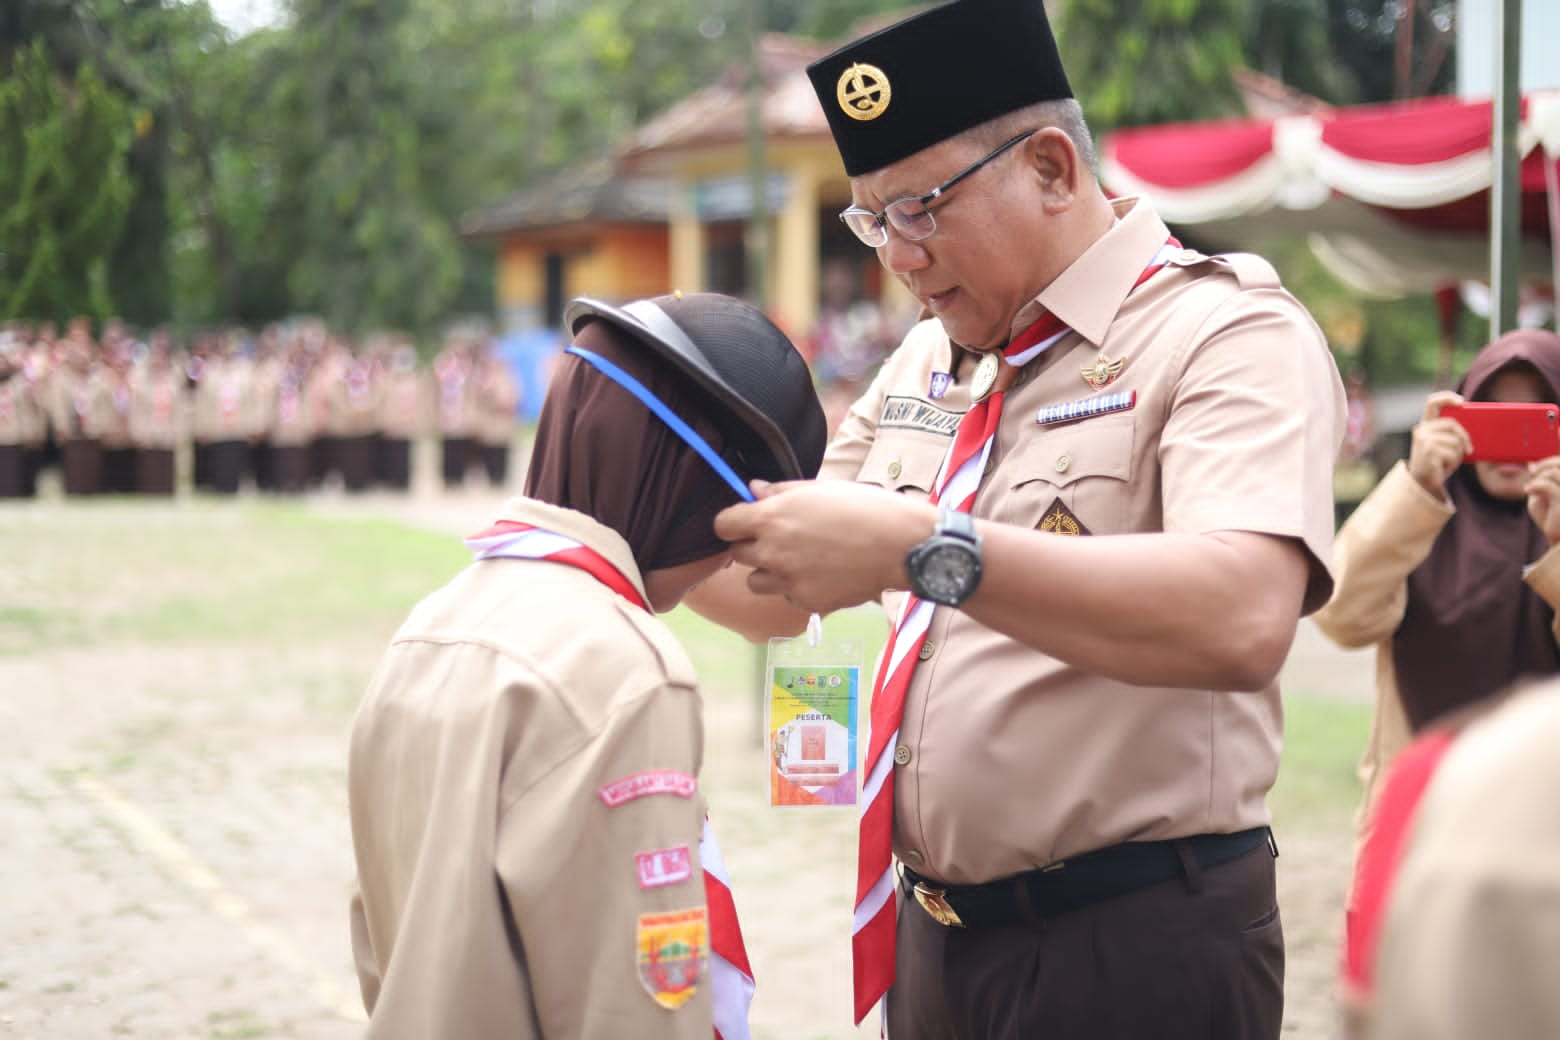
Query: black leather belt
point(1077, 882)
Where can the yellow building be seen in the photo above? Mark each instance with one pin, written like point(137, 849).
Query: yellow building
point(670, 209)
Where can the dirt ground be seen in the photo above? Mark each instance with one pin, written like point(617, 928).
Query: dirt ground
point(177, 865)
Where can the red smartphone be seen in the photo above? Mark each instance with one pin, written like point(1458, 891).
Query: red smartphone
point(1504, 432)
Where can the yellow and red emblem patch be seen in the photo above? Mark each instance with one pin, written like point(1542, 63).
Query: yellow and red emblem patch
point(673, 954)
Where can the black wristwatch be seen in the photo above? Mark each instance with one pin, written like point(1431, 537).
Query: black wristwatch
point(946, 568)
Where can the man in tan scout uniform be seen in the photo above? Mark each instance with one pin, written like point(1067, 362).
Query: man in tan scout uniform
point(78, 410)
point(404, 414)
point(455, 407)
point(498, 395)
point(226, 415)
point(21, 423)
point(113, 377)
point(354, 422)
point(158, 415)
point(523, 768)
point(292, 423)
point(1072, 764)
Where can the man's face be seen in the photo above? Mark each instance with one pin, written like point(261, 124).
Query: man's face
point(983, 262)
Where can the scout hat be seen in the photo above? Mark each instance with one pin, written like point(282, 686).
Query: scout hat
point(735, 354)
point(929, 77)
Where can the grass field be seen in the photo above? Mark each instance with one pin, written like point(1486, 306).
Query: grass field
point(200, 662)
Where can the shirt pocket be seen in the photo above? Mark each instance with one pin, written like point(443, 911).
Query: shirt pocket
point(905, 462)
point(1084, 468)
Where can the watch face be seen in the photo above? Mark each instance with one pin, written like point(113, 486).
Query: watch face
point(946, 572)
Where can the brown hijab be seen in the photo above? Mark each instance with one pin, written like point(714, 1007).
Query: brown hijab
point(1472, 626)
point(601, 452)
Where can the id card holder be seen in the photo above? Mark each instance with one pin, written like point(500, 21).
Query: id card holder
point(811, 709)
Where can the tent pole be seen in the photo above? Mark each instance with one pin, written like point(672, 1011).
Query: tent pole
point(1505, 190)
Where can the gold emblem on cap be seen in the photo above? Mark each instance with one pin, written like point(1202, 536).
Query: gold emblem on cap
point(1103, 372)
point(863, 92)
point(985, 375)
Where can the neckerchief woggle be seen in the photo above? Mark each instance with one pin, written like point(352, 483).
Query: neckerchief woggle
point(731, 975)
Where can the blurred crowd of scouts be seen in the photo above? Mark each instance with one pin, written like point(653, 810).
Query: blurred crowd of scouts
point(294, 407)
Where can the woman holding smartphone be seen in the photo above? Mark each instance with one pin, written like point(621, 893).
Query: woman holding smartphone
point(1449, 569)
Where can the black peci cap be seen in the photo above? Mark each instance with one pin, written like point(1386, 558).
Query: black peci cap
point(937, 74)
point(743, 361)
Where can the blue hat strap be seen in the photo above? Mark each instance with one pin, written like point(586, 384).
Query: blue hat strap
point(666, 415)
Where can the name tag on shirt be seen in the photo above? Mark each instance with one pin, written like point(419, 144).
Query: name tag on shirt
point(912, 413)
point(1086, 408)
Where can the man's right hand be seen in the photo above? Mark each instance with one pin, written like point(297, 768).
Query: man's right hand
point(1438, 446)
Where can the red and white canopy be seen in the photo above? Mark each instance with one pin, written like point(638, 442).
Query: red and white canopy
point(1393, 198)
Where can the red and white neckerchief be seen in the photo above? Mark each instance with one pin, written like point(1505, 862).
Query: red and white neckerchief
point(731, 977)
point(81, 400)
point(287, 396)
point(358, 380)
point(162, 401)
point(227, 395)
point(451, 374)
point(875, 926)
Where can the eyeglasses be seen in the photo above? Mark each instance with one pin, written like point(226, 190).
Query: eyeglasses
point(911, 216)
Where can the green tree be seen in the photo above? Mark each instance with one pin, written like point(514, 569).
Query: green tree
point(372, 252)
point(1133, 62)
point(64, 189)
point(1355, 51)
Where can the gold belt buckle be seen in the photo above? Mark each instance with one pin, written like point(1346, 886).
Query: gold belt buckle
point(934, 901)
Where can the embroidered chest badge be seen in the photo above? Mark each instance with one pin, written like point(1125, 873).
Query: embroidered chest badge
point(1103, 372)
point(1058, 519)
point(673, 953)
point(937, 389)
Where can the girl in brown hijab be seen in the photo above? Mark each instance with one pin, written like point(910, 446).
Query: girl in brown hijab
point(532, 854)
point(1448, 567)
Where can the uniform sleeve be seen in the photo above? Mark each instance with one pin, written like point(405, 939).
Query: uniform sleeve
point(1254, 427)
point(599, 863)
point(1378, 547)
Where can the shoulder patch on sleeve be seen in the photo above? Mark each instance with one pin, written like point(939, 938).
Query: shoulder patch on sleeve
point(673, 954)
point(653, 781)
